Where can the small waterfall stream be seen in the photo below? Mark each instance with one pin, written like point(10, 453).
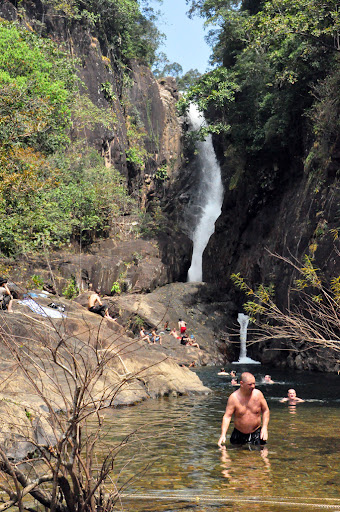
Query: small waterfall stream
point(243, 320)
point(209, 197)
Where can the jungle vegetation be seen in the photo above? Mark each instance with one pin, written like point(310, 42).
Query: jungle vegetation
point(53, 187)
point(274, 90)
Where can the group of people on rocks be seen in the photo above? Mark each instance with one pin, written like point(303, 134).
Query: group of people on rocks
point(154, 336)
point(151, 337)
point(183, 336)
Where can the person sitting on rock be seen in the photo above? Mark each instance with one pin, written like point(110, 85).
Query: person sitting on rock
point(166, 327)
point(192, 342)
point(184, 339)
point(144, 336)
point(155, 336)
point(6, 299)
point(95, 305)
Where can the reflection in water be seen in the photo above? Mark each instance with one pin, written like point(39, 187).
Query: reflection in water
point(247, 470)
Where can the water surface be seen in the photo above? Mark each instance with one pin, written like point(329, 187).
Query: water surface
point(176, 440)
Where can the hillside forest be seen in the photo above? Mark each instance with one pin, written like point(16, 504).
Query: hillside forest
point(271, 100)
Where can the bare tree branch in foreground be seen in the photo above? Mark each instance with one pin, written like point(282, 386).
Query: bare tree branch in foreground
point(312, 317)
point(73, 379)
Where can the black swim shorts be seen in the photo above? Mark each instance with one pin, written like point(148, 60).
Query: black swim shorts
point(100, 310)
point(238, 437)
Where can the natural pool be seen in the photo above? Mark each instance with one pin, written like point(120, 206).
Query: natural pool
point(177, 440)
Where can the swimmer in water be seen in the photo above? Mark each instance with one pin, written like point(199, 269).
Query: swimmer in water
point(222, 372)
point(267, 379)
point(291, 398)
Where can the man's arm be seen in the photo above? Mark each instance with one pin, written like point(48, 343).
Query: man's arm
point(7, 290)
point(226, 420)
point(265, 419)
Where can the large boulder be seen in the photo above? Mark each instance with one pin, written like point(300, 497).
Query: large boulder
point(169, 303)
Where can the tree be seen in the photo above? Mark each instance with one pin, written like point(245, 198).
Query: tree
point(311, 319)
point(188, 79)
point(272, 58)
point(73, 380)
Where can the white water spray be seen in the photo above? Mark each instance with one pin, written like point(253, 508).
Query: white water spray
point(243, 320)
point(210, 196)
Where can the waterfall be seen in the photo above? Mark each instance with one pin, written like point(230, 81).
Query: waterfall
point(209, 197)
point(243, 320)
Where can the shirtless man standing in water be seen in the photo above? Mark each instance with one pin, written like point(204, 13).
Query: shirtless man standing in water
point(246, 404)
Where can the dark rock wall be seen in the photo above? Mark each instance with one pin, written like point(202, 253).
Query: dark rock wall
point(296, 214)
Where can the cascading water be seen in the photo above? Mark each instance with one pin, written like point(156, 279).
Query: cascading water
point(243, 320)
point(209, 196)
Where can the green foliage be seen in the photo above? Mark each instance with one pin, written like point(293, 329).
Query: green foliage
point(37, 281)
point(136, 153)
point(162, 173)
point(108, 92)
point(82, 202)
point(276, 63)
point(152, 222)
point(122, 25)
point(71, 290)
point(116, 288)
point(37, 82)
point(189, 79)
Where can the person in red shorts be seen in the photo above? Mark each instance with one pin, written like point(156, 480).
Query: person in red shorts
point(182, 326)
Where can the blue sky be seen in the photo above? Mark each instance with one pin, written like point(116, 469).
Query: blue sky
point(185, 42)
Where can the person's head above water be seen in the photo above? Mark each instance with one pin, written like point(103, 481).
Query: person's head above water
point(268, 379)
point(247, 383)
point(291, 397)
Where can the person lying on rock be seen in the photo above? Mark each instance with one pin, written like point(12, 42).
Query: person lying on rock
point(95, 305)
point(175, 334)
point(6, 299)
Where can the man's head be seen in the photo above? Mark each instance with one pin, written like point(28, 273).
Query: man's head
point(247, 383)
point(267, 378)
point(291, 394)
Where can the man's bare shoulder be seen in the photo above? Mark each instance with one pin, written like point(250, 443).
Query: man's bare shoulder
point(234, 397)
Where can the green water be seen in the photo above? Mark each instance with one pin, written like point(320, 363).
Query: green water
point(176, 440)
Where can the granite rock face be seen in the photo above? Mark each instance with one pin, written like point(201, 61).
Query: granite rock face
point(130, 370)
